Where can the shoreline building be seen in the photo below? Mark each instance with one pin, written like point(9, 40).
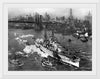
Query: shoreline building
point(71, 18)
point(89, 18)
point(71, 14)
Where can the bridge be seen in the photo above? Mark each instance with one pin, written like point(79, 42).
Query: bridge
point(42, 22)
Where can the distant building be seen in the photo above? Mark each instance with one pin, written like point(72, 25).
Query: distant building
point(71, 14)
point(71, 19)
point(89, 17)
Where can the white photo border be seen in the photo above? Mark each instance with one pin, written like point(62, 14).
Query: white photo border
point(36, 73)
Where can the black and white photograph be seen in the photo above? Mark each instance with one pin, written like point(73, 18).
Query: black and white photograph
point(50, 39)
